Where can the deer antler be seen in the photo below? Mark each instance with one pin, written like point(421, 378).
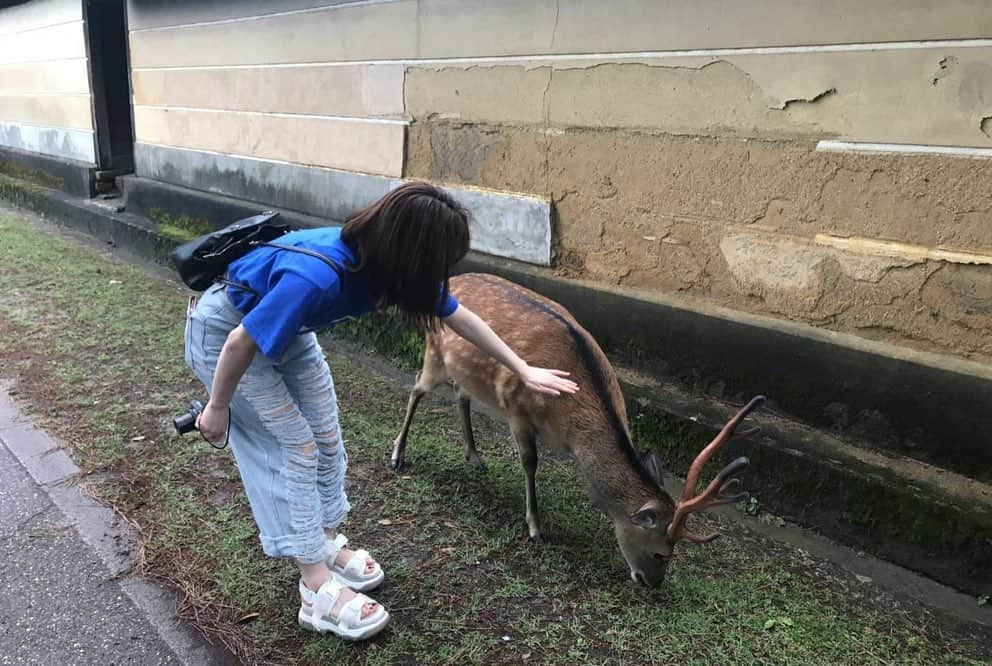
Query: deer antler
point(715, 493)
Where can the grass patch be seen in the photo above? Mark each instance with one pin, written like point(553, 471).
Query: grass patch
point(388, 335)
point(96, 349)
point(182, 228)
point(36, 176)
point(19, 192)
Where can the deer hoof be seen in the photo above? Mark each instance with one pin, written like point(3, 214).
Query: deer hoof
point(478, 463)
point(537, 539)
point(397, 465)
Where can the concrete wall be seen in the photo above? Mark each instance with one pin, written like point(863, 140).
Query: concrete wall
point(191, 90)
point(679, 144)
point(45, 101)
point(824, 163)
point(258, 100)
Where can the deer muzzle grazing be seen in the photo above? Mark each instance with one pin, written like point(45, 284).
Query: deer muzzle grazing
point(591, 425)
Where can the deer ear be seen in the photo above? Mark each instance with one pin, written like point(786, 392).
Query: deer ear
point(652, 463)
point(646, 517)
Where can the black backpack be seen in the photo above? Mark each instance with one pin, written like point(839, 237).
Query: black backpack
point(204, 260)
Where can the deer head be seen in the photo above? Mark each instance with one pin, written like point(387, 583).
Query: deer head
point(647, 538)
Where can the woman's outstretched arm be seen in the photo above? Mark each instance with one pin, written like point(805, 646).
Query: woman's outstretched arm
point(470, 326)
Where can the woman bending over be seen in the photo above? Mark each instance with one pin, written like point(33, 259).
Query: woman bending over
point(271, 390)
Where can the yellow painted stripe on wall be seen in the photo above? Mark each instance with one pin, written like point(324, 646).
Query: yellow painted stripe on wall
point(58, 42)
point(353, 145)
point(469, 28)
point(64, 76)
point(362, 91)
point(68, 111)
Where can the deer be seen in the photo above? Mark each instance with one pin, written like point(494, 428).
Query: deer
point(591, 425)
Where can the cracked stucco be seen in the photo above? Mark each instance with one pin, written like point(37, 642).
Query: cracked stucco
point(919, 96)
point(805, 100)
point(683, 96)
point(894, 248)
point(697, 176)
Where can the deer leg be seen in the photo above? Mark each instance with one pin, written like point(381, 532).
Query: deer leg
point(423, 386)
point(430, 376)
point(527, 443)
point(471, 454)
point(398, 458)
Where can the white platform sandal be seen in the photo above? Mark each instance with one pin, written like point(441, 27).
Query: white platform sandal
point(316, 607)
point(353, 573)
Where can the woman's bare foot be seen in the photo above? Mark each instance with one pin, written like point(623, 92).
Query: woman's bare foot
point(347, 594)
point(345, 554)
point(315, 575)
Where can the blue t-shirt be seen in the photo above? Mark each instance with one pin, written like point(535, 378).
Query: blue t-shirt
point(296, 291)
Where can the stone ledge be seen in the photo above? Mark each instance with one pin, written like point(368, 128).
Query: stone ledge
point(70, 176)
point(506, 225)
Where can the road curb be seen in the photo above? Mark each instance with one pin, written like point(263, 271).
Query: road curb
point(115, 544)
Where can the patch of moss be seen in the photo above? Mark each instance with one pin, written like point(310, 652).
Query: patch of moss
point(653, 428)
point(20, 193)
point(900, 512)
point(182, 228)
point(386, 334)
point(36, 176)
point(162, 247)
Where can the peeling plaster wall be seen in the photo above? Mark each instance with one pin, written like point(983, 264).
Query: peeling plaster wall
point(940, 96)
point(747, 223)
point(696, 174)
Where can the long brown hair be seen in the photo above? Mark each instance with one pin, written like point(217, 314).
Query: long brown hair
point(407, 243)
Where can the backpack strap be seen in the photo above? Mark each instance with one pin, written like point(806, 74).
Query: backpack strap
point(292, 248)
point(317, 255)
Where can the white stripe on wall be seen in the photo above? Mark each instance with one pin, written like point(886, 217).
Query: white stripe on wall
point(276, 114)
point(40, 27)
point(900, 148)
point(60, 42)
point(20, 63)
point(38, 14)
point(503, 224)
point(256, 17)
point(619, 57)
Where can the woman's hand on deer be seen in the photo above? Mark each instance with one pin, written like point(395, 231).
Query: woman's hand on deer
point(468, 325)
point(550, 382)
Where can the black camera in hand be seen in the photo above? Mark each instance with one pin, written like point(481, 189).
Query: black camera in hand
point(185, 423)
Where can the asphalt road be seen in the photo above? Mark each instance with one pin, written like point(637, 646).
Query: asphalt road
point(65, 595)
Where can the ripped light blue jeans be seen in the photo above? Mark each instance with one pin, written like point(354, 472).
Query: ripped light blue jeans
point(284, 433)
